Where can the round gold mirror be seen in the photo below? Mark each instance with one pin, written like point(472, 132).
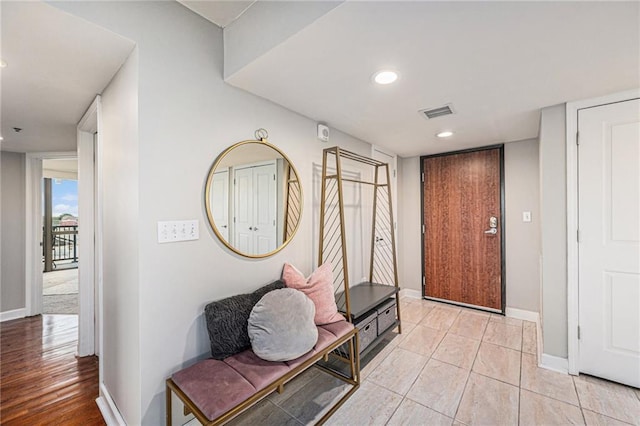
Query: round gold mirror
point(253, 198)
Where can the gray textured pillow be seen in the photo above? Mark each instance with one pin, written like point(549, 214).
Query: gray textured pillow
point(281, 326)
point(227, 321)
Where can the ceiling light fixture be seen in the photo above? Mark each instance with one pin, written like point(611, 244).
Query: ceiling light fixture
point(3, 63)
point(445, 134)
point(385, 77)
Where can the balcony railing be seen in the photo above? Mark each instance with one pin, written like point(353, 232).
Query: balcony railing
point(65, 243)
point(64, 246)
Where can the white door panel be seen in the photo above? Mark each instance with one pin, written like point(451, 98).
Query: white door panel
point(220, 202)
point(243, 209)
point(265, 211)
point(255, 209)
point(609, 249)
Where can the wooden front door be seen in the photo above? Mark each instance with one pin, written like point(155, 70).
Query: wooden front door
point(462, 217)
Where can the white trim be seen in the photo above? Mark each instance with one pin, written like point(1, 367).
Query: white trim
point(87, 126)
point(410, 293)
point(554, 363)
point(52, 154)
point(573, 311)
point(13, 314)
point(33, 228)
point(108, 409)
point(33, 235)
point(522, 314)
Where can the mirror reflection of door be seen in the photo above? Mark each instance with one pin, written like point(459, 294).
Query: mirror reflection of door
point(220, 202)
point(253, 199)
point(255, 208)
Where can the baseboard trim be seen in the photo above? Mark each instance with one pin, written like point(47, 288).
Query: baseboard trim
point(108, 409)
point(522, 314)
point(13, 314)
point(554, 363)
point(410, 293)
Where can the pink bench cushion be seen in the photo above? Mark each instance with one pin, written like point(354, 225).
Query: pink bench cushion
point(213, 386)
point(218, 386)
point(338, 329)
point(257, 371)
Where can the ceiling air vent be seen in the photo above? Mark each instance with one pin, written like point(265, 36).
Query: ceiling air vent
point(437, 112)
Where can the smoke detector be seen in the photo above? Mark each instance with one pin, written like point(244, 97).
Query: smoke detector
point(431, 113)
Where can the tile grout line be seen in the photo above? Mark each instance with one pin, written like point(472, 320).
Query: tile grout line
point(575, 388)
point(455, 415)
point(520, 377)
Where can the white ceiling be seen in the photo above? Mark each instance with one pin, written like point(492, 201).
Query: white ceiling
point(66, 168)
point(221, 13)
point(498, 63)
point(57, 63)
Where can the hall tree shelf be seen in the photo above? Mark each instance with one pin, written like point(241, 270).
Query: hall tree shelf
point(371, 305)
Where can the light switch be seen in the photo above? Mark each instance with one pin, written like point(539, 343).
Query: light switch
point(526, 216)
point(178, 230)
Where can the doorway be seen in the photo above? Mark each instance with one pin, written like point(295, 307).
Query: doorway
point(463, 228)
point(60, 255)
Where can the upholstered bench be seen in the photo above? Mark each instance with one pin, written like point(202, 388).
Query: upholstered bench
point(217, 390)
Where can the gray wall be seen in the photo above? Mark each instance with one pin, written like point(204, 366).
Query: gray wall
point(521, 193)
point(187, 115)
point(553, 212)
point(522, 242)
point(409, 224)
point(13, 222)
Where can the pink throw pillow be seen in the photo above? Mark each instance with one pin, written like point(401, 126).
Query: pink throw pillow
point(318, 287)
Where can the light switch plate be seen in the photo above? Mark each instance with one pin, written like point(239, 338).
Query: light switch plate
point(526, 216)
point(178, 230)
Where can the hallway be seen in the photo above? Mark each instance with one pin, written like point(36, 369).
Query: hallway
point(41, 380)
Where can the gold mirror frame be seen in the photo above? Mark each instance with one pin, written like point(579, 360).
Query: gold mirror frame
point(207, 198)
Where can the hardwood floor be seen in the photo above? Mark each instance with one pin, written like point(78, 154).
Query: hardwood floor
point(41, 380)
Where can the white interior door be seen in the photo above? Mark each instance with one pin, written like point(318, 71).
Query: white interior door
point(609, 247)
point(265, 205)
point(243, 210)
point(220, 202)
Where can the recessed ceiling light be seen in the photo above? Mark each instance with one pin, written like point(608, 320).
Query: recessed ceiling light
point(385, 77)
point(445, 134)
point(3, 63)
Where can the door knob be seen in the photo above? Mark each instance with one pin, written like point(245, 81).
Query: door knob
point(251, 228)
point(491, 231)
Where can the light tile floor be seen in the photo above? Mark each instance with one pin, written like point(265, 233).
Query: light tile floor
point(453, 366)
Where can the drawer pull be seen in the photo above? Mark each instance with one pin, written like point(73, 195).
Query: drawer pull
point(388, 311)
point(367, 327)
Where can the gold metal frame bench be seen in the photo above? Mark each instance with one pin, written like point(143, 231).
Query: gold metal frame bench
point(351, 339)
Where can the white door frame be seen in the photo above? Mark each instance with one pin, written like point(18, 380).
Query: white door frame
point(33, 231)
point(90, 231)
point(573, 283)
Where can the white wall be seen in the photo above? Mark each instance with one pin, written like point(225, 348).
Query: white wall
point(522, 257)
point(13, 222)
point(187, 116)
point(120, 356)
point(522, 242)
point(553, 212)
point(277, 21)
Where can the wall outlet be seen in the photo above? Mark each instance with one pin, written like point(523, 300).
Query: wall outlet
point(526, 216)
point(178, 230)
